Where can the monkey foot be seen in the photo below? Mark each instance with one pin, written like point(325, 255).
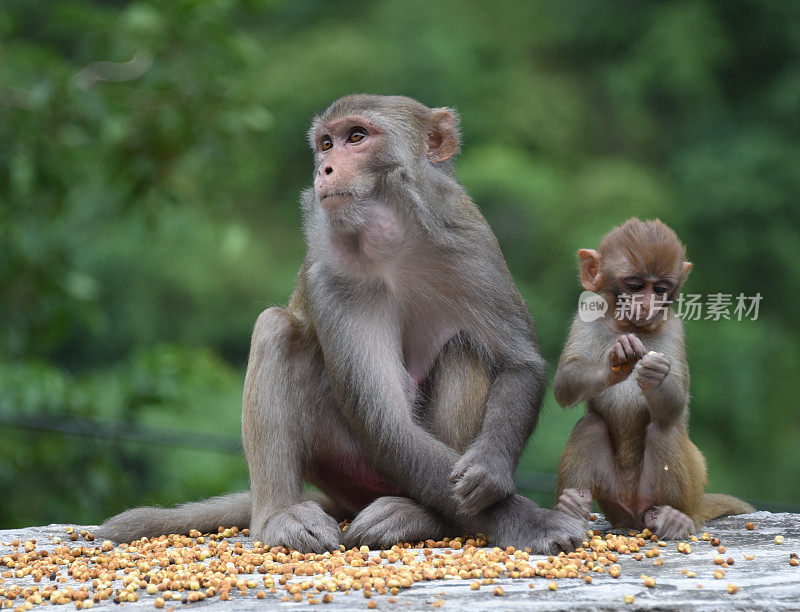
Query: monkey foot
point(517, 521)
point(305, 527)
point(389, 520)
point(668, 523)
point(575, 502)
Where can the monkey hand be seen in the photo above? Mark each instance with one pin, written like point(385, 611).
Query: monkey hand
point(517, 521)
point(479, 482)
point(623, 356)
point(651, 370)
point(305, 527)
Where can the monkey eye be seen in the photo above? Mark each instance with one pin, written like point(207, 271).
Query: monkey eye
point(662, 287)
point(357, 135)
point(634, 285)
point(326, 143)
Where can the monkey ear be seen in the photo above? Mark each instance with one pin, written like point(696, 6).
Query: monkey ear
point(686, 266)
point(442, 135)
point(590, 269)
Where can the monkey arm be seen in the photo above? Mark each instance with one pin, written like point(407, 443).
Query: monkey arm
point(485, 472)
point(666, 389)
point(666, 404)
point(512, 410)
point(361, 349)
point(667, 400)
point(379, 411)
point(368, 379)
point(578, 380)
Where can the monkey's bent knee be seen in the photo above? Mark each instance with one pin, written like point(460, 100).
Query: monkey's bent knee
point(275, 329)
point(274, 320)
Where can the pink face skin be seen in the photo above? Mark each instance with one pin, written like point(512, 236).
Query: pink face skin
point(343, 148)
point(647, 297)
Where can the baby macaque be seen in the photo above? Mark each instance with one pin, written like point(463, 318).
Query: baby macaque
point(631, 452)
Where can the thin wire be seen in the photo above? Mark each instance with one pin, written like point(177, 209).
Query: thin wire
point(123, 431)
point(528, 480)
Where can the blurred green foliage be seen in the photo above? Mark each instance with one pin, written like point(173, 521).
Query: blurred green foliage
point(151, 155)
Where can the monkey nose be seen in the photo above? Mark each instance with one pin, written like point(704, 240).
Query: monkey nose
point(328, 170)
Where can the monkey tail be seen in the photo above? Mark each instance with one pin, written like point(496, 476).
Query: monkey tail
point(715, 505)
point(205, 516)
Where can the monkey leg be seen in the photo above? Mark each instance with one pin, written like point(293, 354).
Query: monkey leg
point(389, 520)
point(453, 412)
point(672, 479)
point(284, 375)
point(459, 391)
point(458, 397)
point(459, 387)
point(588, 468)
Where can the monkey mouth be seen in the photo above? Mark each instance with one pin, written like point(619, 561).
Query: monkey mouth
point(337, 194)
point(333, 201)
point(645, 320)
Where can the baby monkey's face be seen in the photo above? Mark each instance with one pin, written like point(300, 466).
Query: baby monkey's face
point(643, 301)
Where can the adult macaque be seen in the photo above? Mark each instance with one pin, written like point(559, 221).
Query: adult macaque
point(403, 379)
point(631, 451)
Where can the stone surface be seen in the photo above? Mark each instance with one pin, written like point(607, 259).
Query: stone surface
point(766, 582)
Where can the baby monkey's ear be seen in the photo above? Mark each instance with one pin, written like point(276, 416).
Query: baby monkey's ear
point(590, 269)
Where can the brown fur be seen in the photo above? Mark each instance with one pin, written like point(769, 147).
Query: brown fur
point(715, 505)
point(631, 451)
point(641, 247)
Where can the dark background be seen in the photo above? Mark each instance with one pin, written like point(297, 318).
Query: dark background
point(151, 155)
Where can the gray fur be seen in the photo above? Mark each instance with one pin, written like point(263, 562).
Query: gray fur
point(205, 516)
point(304, 526)
point(404, 319)
point(669, 523)
point(445, 269)
point(518, 522)
point(389, 520)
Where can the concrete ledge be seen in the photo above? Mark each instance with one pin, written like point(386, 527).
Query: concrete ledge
point(766, 582)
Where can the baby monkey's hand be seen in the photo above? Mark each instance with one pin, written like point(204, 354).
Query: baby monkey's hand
point(623, 357)
point(651, 370)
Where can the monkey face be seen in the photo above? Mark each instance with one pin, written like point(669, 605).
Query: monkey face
point(643, 301)
point(639, 269)
point(363, 142)
point(345, 149)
